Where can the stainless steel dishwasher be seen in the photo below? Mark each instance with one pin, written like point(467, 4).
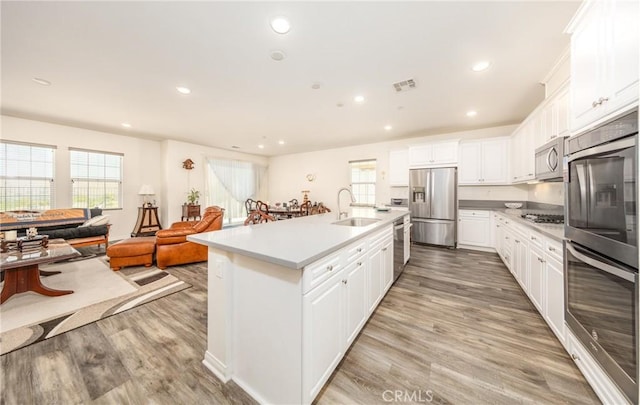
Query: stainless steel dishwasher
point(398, 247)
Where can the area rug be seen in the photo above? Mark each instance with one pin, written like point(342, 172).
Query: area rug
point(99, 292)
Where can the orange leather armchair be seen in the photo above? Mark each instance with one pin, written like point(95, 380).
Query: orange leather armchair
point(172, 247)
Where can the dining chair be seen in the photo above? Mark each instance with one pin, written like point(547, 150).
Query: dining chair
point(258, 217)
point(305, 208)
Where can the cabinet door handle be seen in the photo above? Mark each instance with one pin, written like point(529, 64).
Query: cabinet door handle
point(498, 226)
point(506, 237)
point(573, 356)
point(384, 249)
point(540, 260)
point(517, 241)
point(344, 282)
point(551, 249)
point(594, 104)
point(533, 238)
point(330, 267)
point(359, 250)
point(359, 263)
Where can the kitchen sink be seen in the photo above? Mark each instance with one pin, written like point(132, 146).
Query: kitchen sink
point(356, 221)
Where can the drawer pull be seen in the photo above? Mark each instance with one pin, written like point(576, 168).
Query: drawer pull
point(517, 241)
point(574, 356)
point(359, 263)
point(540, 260)
point(344, 282)
point(506, 237)
point(330, 267)
point(359, 250)
point(533, 238)
point(551, 249)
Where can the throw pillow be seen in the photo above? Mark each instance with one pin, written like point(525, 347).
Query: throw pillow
point(95, 221)
point(96, 211)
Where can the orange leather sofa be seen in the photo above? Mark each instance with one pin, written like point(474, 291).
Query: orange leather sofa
point(172, 247)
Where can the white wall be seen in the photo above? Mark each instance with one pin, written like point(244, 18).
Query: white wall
point(141, 163)
point(548, 193)
point(287, 174)
point(158, 163)
point(179, 181)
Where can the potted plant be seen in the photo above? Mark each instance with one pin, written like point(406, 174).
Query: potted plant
point(193, 197)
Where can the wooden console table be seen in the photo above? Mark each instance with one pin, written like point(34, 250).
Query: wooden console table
point(148, 222)
point(190, 211)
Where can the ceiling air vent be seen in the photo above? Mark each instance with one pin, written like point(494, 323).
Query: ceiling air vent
point(404, 85)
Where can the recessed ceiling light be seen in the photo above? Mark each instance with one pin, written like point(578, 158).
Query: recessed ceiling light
point(339, 105)
point(261, 146)
point(388, 127)
point(280, 25)
point(280, 142)
point(41, 81)
point(472, 113)
point(126, 125)
point(278, 55)
point(315, 86)
point(359, 99)
point(480, 66)
point(183, 90)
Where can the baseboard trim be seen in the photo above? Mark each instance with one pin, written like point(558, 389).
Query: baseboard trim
point(216, 367)
point(478, 248)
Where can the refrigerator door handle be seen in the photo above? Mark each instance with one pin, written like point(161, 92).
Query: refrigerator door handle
point(431, 221)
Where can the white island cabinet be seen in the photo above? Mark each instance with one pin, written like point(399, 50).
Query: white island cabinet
point(286, 299)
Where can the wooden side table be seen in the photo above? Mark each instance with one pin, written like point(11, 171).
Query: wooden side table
point(148, 222)
point(190, 211)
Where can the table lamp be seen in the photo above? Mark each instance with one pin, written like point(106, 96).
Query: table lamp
point(145, 191)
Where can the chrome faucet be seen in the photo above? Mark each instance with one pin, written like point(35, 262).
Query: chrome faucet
point(353, 199)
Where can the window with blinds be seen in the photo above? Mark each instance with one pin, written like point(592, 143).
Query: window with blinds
point(26, 176)
point(363, 181)
point(96, 179)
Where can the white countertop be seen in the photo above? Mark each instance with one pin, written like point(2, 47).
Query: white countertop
point(296, 242)
point(554, 231)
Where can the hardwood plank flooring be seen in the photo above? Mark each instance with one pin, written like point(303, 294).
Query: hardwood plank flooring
point(454, 329)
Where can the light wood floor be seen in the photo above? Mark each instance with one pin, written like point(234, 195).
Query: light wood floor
point(454, 329)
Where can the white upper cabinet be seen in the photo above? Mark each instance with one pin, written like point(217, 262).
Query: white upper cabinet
point(433, 154)
point(604, 61)
point(523, 145)
point(399, 167)
point(483, 162)
point(554, 117)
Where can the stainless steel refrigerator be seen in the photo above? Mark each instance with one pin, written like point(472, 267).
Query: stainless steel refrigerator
point(432, 201)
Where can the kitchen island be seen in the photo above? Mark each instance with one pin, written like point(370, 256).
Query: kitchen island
point(288, 298)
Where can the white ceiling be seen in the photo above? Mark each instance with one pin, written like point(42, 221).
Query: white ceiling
point(114, 62)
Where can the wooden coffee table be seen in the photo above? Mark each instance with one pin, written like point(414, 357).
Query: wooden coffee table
point(21, 271)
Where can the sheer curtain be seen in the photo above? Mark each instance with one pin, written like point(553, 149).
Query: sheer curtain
point(231, 182)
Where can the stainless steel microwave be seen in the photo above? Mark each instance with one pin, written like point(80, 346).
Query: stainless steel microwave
point(549, 160)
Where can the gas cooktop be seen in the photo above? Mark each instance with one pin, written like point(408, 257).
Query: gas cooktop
point(544, 218)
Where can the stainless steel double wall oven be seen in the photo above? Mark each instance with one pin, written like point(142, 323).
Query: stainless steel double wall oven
point(601, 250)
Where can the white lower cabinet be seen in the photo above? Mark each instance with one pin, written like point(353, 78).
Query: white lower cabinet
point(554, 303)
point(374, 280)
point(323, 336)
point(536, 277)
point(521, 262)
point(474, 228)
point(355, 276)
point(387, 263)
point(335, 310)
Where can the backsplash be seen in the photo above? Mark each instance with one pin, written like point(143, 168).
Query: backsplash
point(547, 193)
point(516, 192)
